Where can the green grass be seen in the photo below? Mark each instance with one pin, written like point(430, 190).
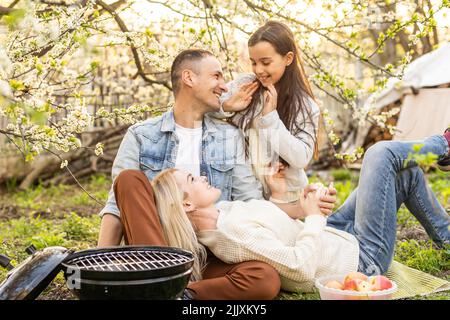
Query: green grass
point(42, 199)
point(423, 256)
point(65, 216)
point(60, 215)
point(406, 219)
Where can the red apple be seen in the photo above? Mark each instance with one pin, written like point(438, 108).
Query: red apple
point(355, 275)
point(363, 286)
point(380, 283)
point(351, 277)
point(334, 284)
point(351, 284)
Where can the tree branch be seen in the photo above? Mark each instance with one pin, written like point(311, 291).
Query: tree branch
point(74, 178)
point(134, 51)
point(5, 10)
point(309, 28)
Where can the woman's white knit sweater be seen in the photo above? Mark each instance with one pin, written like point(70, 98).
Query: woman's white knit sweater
point(299, 251)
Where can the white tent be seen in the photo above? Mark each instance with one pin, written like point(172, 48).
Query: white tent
point(424, 110)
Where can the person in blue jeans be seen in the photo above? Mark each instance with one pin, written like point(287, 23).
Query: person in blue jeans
point(386, 181)
point(360, 236)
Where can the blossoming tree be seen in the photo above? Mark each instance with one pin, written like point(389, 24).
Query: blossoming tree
point(68, 68)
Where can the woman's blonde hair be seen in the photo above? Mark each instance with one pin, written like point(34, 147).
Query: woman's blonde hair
point(178, 230)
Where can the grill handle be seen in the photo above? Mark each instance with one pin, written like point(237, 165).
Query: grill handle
point(5, 262)
point(30, 249)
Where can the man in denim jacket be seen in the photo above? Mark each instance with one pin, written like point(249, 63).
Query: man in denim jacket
point(159, 143)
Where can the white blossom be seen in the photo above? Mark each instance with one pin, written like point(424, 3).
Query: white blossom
point(99, 149)
point(5, 63)
point(54, 30)
point(5, 89)
point(64, 164)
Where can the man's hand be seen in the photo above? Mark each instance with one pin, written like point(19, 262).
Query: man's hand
point(241, 99)
point(327, 201)
point(110, 231)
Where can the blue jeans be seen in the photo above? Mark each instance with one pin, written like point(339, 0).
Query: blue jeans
point(386, 181)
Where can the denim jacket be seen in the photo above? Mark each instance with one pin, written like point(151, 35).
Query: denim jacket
point(151, 146)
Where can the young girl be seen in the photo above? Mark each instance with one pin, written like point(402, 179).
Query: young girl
point(360, 236)
point(275, 108)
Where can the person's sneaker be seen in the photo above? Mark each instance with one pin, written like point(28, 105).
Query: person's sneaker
point(444, 163)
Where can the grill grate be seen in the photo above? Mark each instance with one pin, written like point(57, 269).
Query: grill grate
point(129, 261)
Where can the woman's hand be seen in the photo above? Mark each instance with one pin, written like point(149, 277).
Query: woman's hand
point(327, 201)
point(270, 100)
point(310, 202)
point(241, 99)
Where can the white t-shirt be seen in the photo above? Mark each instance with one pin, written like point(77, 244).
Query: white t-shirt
point(188, 155)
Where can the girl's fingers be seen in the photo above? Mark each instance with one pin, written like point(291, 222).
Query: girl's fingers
point(272, 89)
point(266, 96)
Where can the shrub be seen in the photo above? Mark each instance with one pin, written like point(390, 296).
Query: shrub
point(78, 228)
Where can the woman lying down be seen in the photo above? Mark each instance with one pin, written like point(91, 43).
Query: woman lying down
point(300, 251)
point(237, 231)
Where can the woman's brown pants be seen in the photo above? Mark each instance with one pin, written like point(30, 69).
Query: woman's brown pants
point(251, 280)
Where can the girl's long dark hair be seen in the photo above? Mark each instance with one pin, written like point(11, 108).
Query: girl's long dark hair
point(293, 87)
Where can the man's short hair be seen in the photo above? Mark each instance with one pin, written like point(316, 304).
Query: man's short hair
point(180, 62)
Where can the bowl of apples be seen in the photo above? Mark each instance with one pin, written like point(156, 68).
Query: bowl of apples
point(355, 286)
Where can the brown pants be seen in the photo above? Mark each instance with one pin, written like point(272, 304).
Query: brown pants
point(251, 280)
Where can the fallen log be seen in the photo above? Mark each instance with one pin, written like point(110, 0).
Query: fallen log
point(47, 166)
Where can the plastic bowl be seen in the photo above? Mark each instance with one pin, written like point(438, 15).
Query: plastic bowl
point(337, 294)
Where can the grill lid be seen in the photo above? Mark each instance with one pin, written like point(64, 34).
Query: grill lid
point(129, 262)
point(34, 274)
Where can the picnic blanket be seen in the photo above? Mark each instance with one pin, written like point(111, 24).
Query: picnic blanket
point(412, 282)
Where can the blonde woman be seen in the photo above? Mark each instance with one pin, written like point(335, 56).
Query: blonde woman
point(360, 236)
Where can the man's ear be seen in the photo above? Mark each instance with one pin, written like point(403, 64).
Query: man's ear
point(188, 206)
point(289, 57)
point(187, 77)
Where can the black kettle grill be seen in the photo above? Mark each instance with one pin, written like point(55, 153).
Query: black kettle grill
point(123, 272)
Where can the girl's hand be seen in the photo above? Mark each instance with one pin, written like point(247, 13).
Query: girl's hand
point(242, 98)
point(270, 99)
point(276, 180)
